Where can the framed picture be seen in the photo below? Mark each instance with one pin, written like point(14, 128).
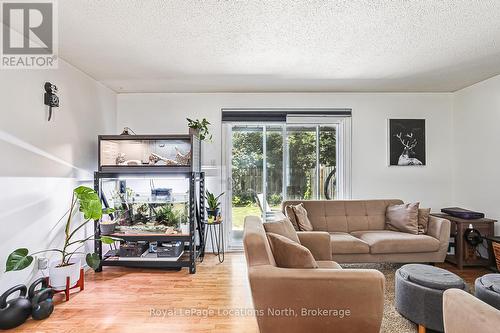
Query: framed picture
point(407, 142)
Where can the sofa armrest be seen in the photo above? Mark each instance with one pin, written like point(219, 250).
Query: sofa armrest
point(349, 300)
point(463, 313)
point(318, 242)
point(439, 228)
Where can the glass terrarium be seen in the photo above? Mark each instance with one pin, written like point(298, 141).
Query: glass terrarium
point(151, 150)
point(146, 205)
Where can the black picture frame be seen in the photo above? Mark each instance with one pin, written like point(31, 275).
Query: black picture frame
point(407, 142)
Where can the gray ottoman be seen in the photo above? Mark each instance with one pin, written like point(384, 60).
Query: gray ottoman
point(488, 289)
point(419, 294)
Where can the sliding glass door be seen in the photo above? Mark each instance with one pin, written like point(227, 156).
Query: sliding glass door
point(271, 162)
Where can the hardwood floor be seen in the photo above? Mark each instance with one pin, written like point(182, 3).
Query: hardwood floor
point(123, 299)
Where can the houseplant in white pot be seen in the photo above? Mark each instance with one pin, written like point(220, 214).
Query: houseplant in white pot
point(86, 201)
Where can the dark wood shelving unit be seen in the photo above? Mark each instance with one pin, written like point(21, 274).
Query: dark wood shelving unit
point(192, 248)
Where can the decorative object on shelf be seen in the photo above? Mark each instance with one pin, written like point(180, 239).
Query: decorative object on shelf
point(120, 159)
point(108, 227)
point(201, 128)
point(213, 208)
point(155, 158)
point(183, 159)
point(50, 98)
point(86, 201)
point(462, 213)
point(15, 311)
point(407, 142)
point(126, 131)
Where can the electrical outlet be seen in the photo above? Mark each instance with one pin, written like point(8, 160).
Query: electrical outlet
point(43, 263)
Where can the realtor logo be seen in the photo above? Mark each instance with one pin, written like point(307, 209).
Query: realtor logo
point(29, 35)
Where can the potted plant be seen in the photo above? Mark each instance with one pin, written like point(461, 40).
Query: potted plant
point(86, 201)
point(200, 127)
point(213, 203)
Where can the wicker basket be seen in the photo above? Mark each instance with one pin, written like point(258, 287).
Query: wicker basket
point(496, 250)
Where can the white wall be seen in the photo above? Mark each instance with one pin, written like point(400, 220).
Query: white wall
point(41, 162)
point(476, 178)
point(371, 177)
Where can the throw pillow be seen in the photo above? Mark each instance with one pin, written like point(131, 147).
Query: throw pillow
point(302, 219)
point(291, 216)
point(403, 217)
point(289, 254)
point(423, 220)
point(282, 227)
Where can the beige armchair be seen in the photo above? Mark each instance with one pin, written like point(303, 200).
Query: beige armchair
point(327, 299)
point(464, 313)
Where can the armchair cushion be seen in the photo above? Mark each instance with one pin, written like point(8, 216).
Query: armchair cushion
point(282, 227)
point(289, 254)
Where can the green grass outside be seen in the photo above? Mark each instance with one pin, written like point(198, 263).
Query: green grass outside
point(239, 214)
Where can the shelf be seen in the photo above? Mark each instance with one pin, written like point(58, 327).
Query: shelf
point(117, 170)
point(152, 236)
point(182, 261)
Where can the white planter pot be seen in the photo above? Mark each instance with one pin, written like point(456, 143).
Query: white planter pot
point(57, 275)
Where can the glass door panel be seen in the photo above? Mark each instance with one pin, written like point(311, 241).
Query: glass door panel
point(301, 168)
point(328, 162)
point(246, 173)
point(274, 168)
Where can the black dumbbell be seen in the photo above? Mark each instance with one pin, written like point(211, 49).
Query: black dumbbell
point(15, 311)
point(32, 291)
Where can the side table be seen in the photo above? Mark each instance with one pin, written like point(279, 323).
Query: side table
point(464, 253)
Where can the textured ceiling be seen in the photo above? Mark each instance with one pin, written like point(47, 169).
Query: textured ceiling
point(259, 46)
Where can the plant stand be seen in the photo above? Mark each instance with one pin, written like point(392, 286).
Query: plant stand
point(80, 284)
point(217, 236)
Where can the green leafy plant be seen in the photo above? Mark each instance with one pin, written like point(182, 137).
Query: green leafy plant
point(86, 201)
point(168, 216)
point(212, 200)
point(202, 127)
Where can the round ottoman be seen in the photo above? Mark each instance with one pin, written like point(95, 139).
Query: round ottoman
point(419, 294)
point(488, 289)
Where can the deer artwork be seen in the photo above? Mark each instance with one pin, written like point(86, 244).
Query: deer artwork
point(405, 157)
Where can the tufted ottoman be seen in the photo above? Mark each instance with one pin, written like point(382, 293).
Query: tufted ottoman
point(419, 294)
point(488, 289)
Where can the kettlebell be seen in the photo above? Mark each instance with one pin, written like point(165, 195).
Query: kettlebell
point(42, 305)
point(32, 292)
point(15, 311)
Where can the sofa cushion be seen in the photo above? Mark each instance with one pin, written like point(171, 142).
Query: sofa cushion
point(423, 220)
point(289, 254)
point(291, 216)
point(403, 218)
point(343, 243)
point(386, 241)
point(328, 264)
point(302, 219)
point(282, 227)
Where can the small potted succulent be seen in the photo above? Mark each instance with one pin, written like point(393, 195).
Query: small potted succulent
point(213, 203)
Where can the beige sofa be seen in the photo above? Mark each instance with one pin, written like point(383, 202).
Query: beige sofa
point(356, 230)
point(464, 313)
point(281, 295)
